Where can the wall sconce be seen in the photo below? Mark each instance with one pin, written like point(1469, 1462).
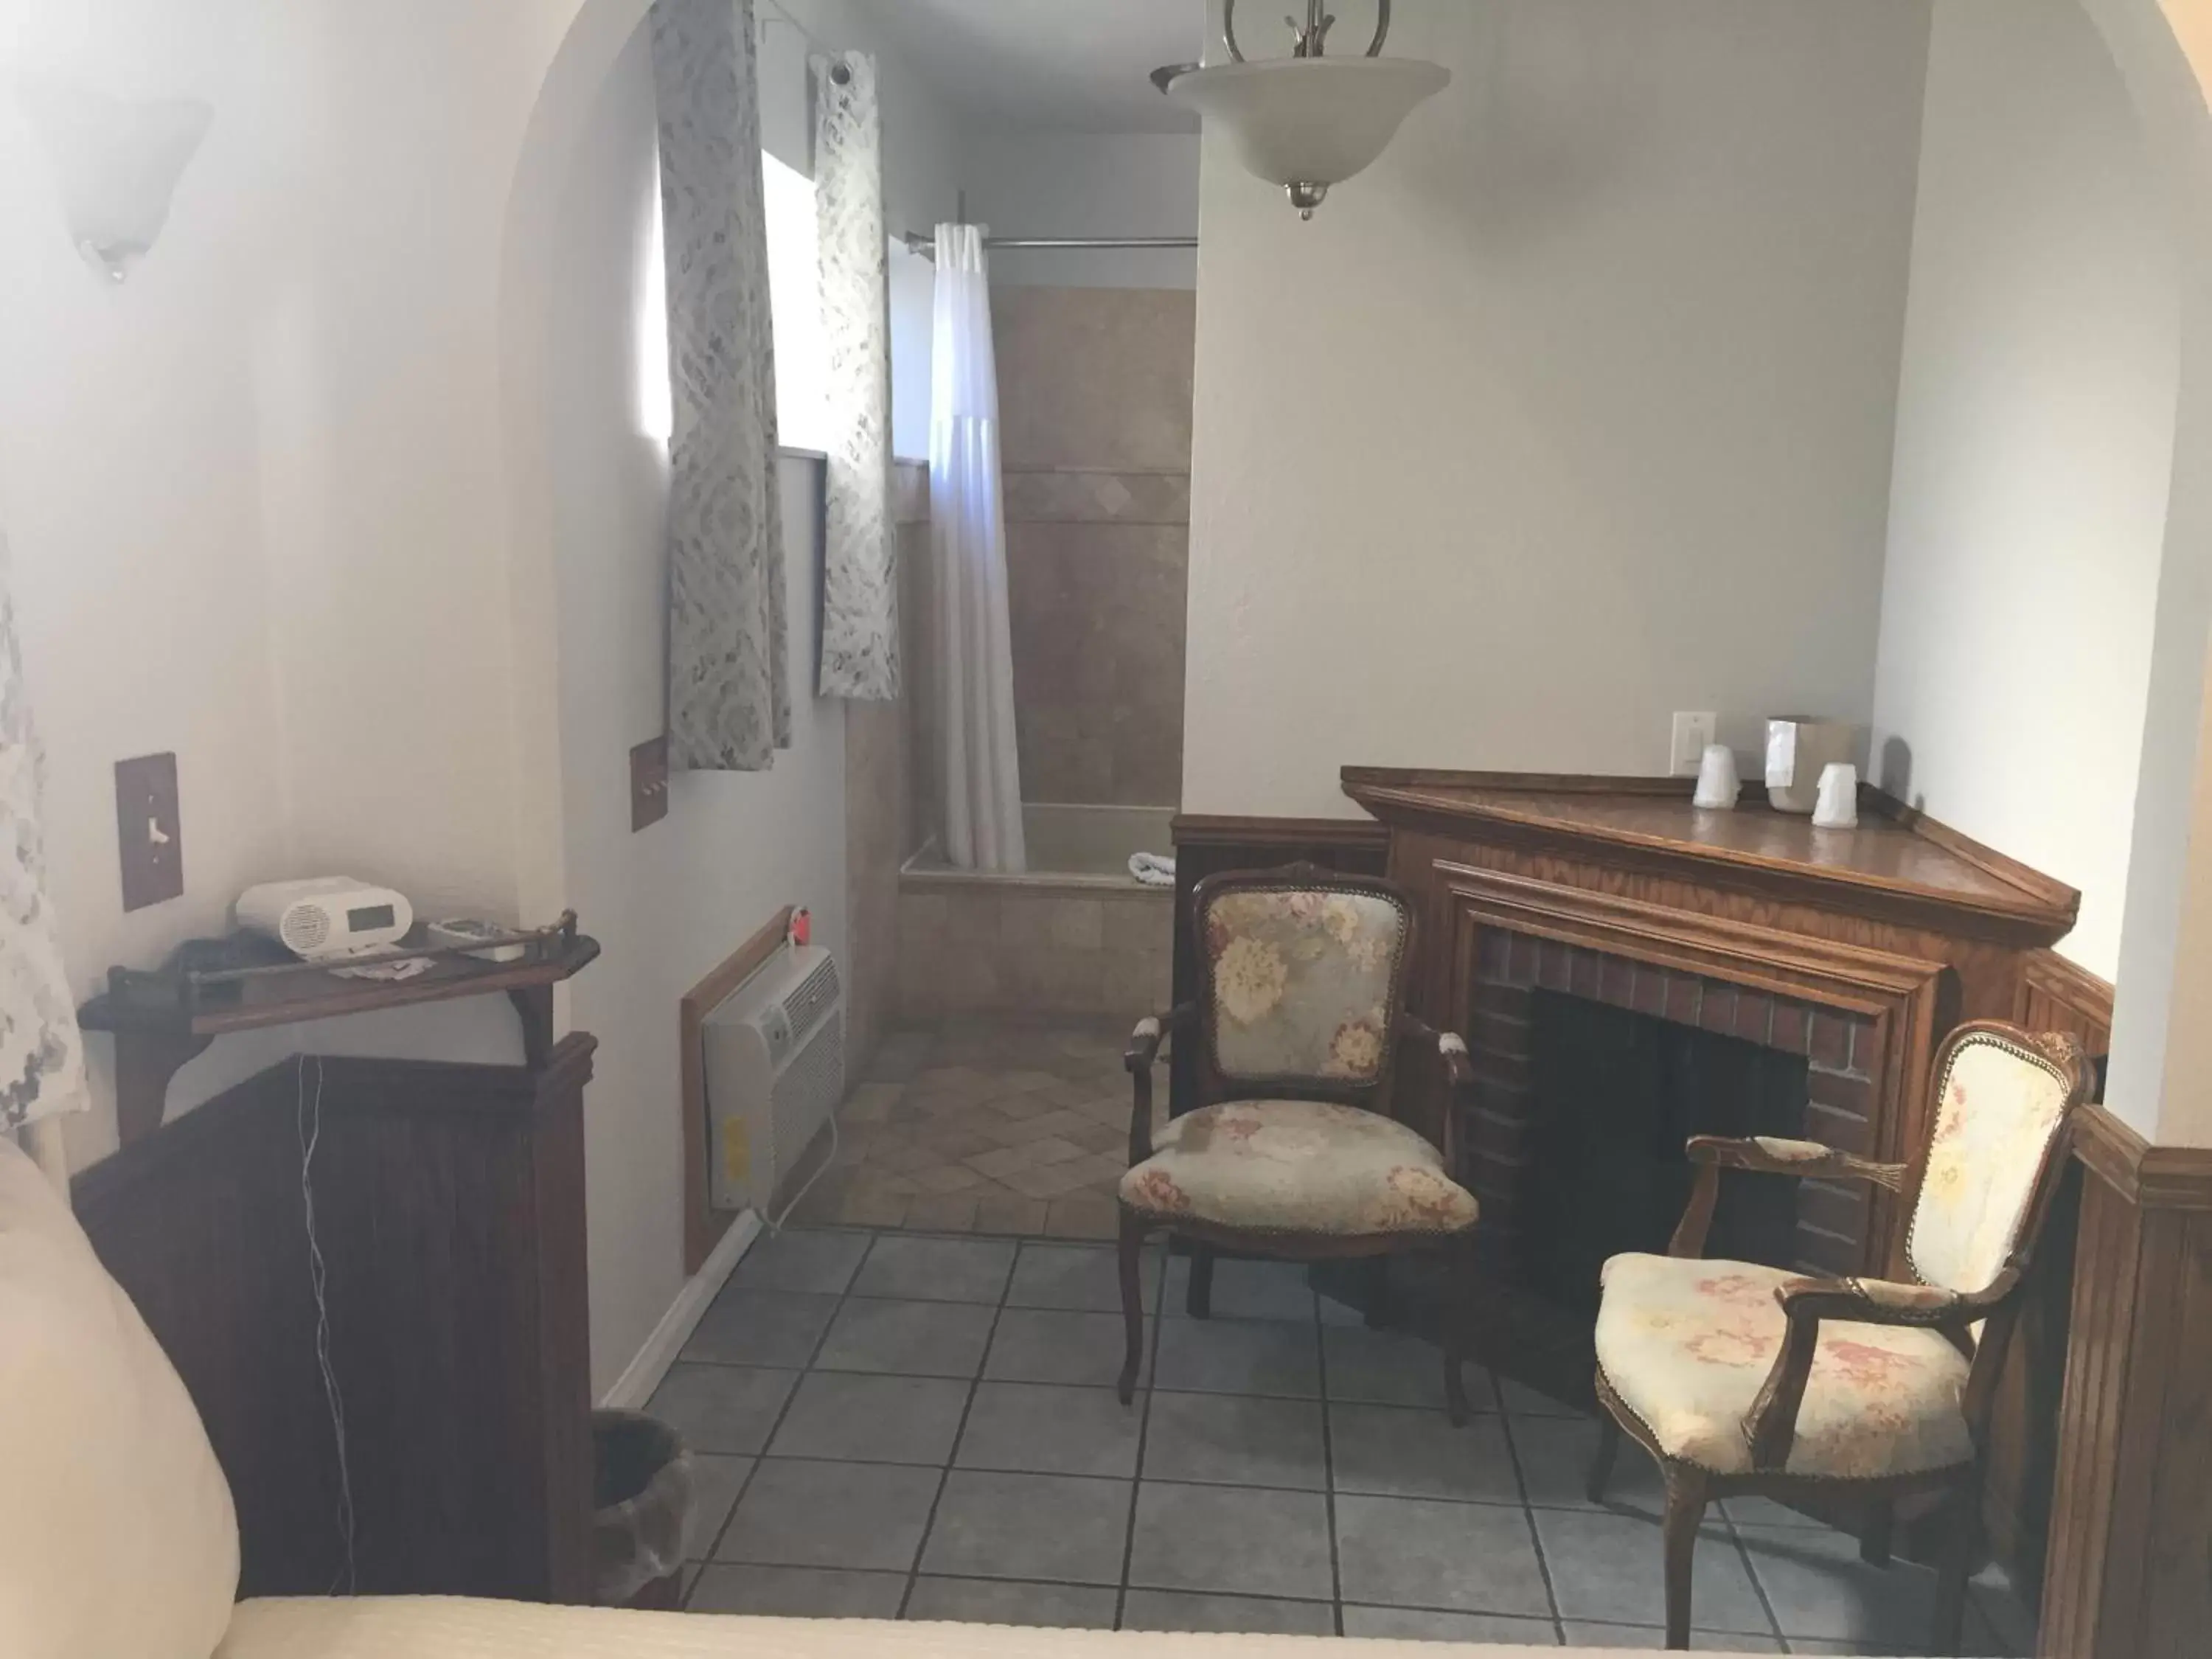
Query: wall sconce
point(118, 161)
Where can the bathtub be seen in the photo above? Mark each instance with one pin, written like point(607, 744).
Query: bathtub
point(1073, 935)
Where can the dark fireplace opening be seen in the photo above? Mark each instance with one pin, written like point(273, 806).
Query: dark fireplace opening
point(1616, 1095)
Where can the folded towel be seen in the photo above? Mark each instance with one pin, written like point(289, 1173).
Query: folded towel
point(1151, 869)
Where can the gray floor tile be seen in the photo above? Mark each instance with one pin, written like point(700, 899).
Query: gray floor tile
point(820, 1263)
point(1522, 1401)
point(936, 1269)
point(1039, 1428)
point(1238, 1356)
point(1245, 1290)
point(908, 1339)
point(746, 1326)
point(1754, 1511)
point(1083, 1277)
point(691, 1571)
point(1054, 1527)
point(1610, 1568)
point(1245, 1615)
point(716, 1483)
point(1820, 1587)
point(797, 1513)
point(1555, 1455)
point(1035, 1345)
point(1414, 1552)
point(878, 1420)
point(989, 1602)
point(1404, 1451)
point(1650, 1638)
point(798, 1592)
point(1235, 1440)
point(1418, 1624)
point(721, 1408)
point(1232, 1539)
point(1395, 1368)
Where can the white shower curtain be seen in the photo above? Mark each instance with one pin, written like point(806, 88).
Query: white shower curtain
point(968, 540)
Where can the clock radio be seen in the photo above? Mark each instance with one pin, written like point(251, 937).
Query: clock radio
point(326, 918)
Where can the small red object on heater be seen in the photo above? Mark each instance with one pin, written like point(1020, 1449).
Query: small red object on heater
point(802, 926)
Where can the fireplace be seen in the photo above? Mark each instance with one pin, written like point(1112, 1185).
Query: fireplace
point(1592, 1070)
point(1616, 1095)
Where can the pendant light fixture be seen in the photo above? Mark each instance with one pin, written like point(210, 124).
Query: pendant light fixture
point(1307, 121)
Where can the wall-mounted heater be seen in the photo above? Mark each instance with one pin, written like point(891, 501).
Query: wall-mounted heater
point(775, 1072)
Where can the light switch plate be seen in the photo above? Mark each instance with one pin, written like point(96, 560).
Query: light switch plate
point(1693, 733)
point(648, 783)
point(149, 836)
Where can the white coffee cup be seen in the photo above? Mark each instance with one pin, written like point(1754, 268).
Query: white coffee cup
point(1837, 807)
point(1718, 786)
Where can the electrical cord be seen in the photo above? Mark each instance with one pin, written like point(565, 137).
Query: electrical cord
point(307, 1121)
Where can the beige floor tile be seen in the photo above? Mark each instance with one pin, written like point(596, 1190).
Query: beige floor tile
point(1009, 1214)
point(941, 1180)
point(1048, 1181)
point(954, 1142)
point(1080, 1216)
point(950, 1213)
point(1021, 1105)
point(1002, 1162)
point(872, 1103)
point(867, 1207)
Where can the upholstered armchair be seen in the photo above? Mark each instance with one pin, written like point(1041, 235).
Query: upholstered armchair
point(1739, 1378)
point(1293, 1151)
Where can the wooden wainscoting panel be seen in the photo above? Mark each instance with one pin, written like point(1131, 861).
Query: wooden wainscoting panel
point(2129, 1571)
point(704, 1224)
point(2058, 995)
point(1206, 845)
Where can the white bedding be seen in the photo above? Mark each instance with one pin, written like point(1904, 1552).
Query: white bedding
point(403, 1627)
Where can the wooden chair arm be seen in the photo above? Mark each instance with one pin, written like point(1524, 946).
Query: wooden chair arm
point(1770, 1425)
point(1139, 1058)
point(1763, 1155)
point(1459, 1076)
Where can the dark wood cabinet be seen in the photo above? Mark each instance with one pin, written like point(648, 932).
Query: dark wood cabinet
point(449, 1209)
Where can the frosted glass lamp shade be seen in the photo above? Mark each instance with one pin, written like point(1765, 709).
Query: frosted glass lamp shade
point(118, 161)
point(1307, 123)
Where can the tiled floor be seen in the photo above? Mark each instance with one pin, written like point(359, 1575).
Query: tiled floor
point(985, 1127)
point(901, 1424)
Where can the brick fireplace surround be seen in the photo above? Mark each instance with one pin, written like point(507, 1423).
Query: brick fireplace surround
point(1840, 1047)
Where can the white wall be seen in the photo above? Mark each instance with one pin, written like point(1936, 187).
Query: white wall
point(1573, 410)
point(2034, 449)
point(1086, 183)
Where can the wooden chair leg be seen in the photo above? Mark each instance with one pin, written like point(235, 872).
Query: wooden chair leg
point(1874, 1542)
point(1456, 1288)
point(1964, 1517)
point(1132, 1304)
point(1198, 1300)
point(1609, 1453)
point(1686, 1510)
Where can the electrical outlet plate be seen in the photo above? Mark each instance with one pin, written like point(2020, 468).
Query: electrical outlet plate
point(149, 834)
point(1693, 733)
point(648, 783)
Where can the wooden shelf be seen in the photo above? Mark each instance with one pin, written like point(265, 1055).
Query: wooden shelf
point(160, 1022)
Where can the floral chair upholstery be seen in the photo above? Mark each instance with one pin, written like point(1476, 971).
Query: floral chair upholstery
point(1294, 1151)
point(1738, 1377)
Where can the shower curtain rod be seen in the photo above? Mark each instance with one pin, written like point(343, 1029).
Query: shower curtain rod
point(926, 246)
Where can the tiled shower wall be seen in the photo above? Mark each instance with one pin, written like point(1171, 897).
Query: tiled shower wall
point(1095, 398)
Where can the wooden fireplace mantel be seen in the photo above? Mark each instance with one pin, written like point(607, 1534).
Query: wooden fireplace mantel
point(1897, 866)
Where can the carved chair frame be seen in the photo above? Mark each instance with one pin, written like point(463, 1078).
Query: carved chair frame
point(1770, 1424)
point(1189, 1023)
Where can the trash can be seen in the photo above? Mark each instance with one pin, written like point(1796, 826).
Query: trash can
point(640, 1506)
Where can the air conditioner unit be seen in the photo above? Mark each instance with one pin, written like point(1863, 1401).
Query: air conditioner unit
point(775, 1072)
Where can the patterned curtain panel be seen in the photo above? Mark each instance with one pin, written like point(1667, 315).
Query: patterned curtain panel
point(729, 696)
point(41, 1053)
point(859, 573)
